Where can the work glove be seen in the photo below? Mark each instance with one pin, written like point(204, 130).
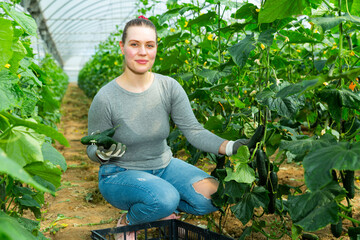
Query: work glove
point(115, 151)
point(233, 146)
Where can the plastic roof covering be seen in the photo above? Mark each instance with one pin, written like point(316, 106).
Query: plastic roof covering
point(77, 26)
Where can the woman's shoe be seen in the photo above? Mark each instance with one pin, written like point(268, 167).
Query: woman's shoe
point(121, 236)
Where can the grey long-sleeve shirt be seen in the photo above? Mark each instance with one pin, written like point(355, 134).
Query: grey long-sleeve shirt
point(143, 120)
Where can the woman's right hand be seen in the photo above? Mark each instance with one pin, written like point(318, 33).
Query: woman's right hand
point(115, 151)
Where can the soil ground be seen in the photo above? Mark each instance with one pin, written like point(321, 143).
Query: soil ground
point(78, 206)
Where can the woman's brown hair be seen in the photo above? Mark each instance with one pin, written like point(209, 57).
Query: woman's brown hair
point(138, 22)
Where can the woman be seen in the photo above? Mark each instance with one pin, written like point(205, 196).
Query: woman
point(146, 180)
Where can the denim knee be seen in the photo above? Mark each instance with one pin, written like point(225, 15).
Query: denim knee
point(169, 202)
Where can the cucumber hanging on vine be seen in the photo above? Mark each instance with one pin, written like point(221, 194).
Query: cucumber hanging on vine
point(262, 166)
point(336, 229)
point(256, 137)
point(101, 139)
point(348, 182)
point(272, 187)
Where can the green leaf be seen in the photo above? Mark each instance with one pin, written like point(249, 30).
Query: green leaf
point(40, 128)
point(215, 123)
point(327, 23)
point(286, 107)
point(203, 20)
point(21, 18)
point(6, 41)
point(45, 170)
point(245, 11)
point(168, 15)
point(279, 9)
point(244, 209)
point(26, 71)
point(319, 163)
point(308, 144)
point(243, 174)
point(301, 87)
point(338, 98)
point(11, 229)
point(241, 51)
point(320, 64)
point(15, 170)
point(52, 155)
point(19, 53)
point(7, 93)
point(267, 37)
point(297, 37)
point(239, 103)
point(214, 75)
point(314, 210)
point(28, 201)
point(23, 145)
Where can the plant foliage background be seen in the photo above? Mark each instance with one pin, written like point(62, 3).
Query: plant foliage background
point(291, 66)
point(31, 91)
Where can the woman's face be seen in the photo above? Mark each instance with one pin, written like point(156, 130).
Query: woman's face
point(139, 49)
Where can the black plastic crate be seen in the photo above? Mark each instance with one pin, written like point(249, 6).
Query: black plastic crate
point(160, 230)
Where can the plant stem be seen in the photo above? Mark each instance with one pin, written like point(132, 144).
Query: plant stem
point(219, 37)
point(340, 42)
point(349, 218)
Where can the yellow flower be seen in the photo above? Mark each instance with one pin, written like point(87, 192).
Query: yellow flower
point(186, 23)
point(7, 65)
point(115, 63)
point(187, 41)
point(158, 39)
point(205, 63)
point(316, 31)
point(325, 83)
point(352, 53)
point(210, 37)
point(287, 39)
point(172, 30)
point(245, 91)
point(189, 52)
point(324, 52)
point(298, 50)
point(275, 50)
point(64, 224)
point(161, 59)
point(262, 46)
point(186, 61)
point(257, 10)
point(334, 47)
point(20, 76)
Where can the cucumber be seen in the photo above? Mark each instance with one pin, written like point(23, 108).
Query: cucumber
point(272, 187)
point(348, 183)
point(336, 229)
point(261, 164)
point(256, 137)
point(354, 233)
point(101, 139)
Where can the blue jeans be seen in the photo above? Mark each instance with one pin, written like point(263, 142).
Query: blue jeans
point(149, 195)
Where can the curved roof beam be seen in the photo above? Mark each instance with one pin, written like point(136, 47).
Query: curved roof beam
point(81, 24)
point(33, 7)
point(76, 11)
point(69, 27)
point(81, 27)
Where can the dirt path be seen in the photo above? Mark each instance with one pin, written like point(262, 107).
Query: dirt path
point(79, 208)
point(78, 204)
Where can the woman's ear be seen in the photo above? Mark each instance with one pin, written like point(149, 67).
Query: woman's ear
point(121, 46)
